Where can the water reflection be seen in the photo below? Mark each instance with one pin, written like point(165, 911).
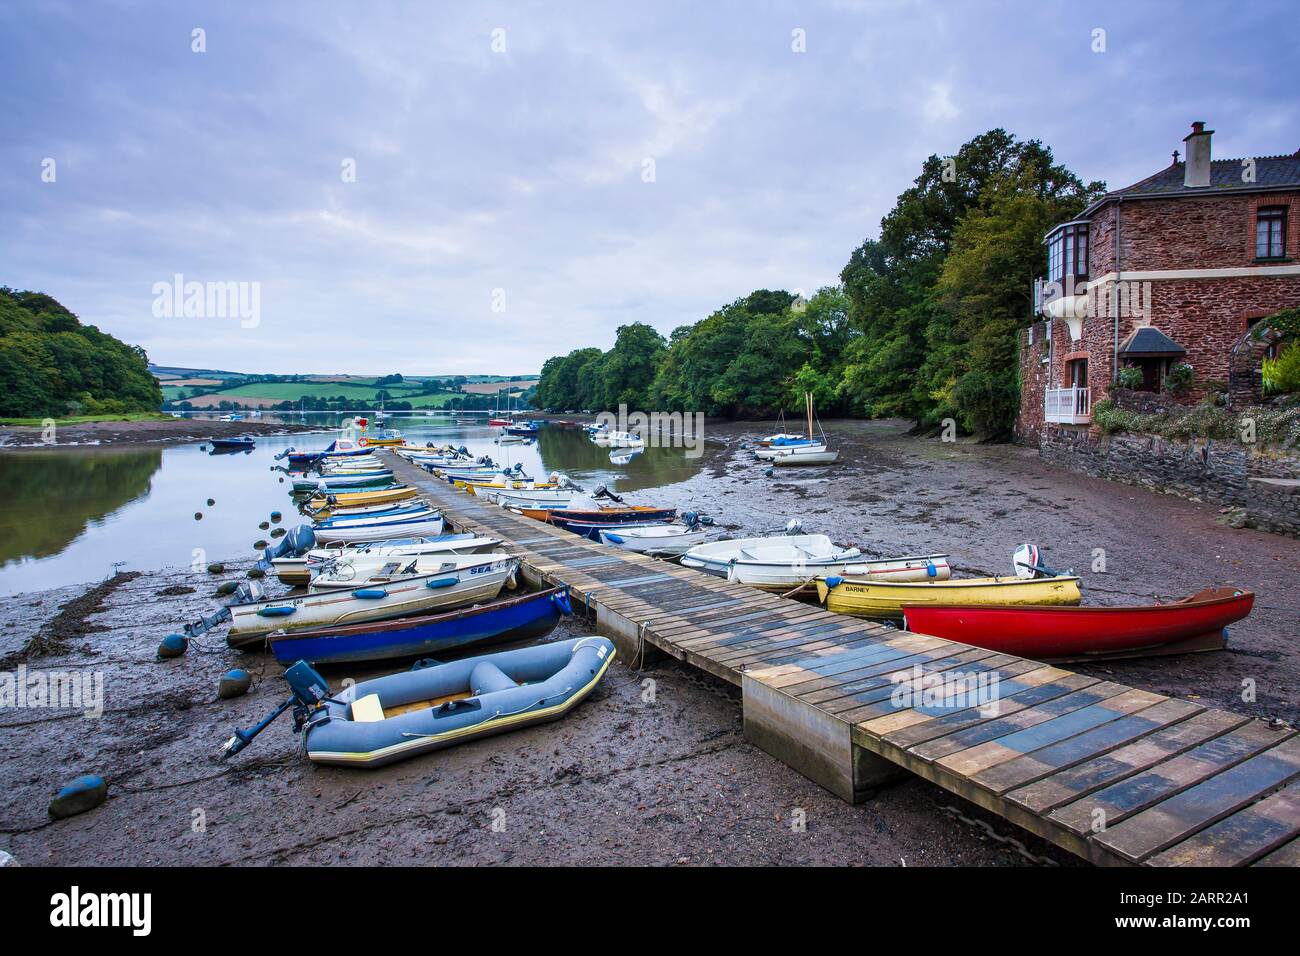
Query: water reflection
point(67, 516)
point(50, 497)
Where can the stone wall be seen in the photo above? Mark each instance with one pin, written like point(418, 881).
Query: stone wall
point(1260, 484)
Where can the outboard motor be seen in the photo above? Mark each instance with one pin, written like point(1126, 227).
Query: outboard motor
point(308, 691)
point(691, 519)
point(1028, 564)
point(794, 526)
point(603, 492)
point(285, 454)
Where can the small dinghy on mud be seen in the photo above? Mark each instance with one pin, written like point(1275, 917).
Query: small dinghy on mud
point(380, 721)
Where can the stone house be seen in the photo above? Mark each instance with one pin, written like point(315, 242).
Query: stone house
point(1174, 269)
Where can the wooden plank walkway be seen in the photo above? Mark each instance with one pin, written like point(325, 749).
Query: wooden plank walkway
point(1114, 774)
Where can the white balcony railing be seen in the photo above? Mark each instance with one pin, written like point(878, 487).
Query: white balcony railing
point(1068, 406)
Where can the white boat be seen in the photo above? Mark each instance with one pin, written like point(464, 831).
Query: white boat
point(252, 621)
point(529, 497)
point(623, 440)
point(365, 570)
point(295, 571)
point(796, 458)
point(778, 562)
point(911, 569)
point(419, 527)
point(786, 451)
point(661, 539)
point(803, 445)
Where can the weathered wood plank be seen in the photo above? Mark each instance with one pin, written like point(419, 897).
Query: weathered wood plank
point(1110, 805)
point(1150, 831)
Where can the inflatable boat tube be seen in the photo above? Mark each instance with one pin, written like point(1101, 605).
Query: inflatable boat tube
point(381, 721)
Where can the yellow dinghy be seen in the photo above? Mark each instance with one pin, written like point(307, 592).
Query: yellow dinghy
point(844, 595)
point(353, 499)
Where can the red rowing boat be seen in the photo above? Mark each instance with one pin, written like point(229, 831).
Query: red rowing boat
point(1196, 623)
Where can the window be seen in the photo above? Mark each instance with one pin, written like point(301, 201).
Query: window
point(1078, 372)
point(1067, 252)
point(1270, 233)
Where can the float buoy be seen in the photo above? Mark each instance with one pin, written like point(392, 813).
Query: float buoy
point(173, 645)
point(84, 793)
point(198, 516)
point(234, 684)
point(211, 502)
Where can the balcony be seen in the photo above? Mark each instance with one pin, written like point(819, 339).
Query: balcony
point(1068, 406)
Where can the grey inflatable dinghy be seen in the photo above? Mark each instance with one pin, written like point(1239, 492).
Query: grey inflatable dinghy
point(390, 718)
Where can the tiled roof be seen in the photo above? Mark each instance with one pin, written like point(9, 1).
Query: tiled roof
point(1149, 341)
point(1271, 172)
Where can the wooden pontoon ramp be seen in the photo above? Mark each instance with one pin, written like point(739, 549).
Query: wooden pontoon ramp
point(1114, 774)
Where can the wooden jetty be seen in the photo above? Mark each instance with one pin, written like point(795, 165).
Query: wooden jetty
point(1114, 774)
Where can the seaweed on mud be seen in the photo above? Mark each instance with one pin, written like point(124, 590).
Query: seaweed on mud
point(175, 589)
point(71, 622)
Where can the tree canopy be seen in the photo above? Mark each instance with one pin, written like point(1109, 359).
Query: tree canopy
point(52, 365)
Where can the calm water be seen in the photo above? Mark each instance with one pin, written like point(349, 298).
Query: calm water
point(70, 516)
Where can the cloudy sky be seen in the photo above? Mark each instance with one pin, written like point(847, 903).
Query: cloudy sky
point(528, 177)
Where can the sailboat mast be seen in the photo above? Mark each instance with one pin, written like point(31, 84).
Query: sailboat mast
point(807, 399)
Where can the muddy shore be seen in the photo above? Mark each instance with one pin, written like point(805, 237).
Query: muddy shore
point(153, 431)
point(642, 773)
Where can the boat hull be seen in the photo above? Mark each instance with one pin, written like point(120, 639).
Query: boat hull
point(528, 685)
point(1196, 623)
point(817, 551)
point(655, 544)
point(514, 619)
point(352, 499)
point(342, 482)
point(423, 528)
point(250, 623)
point(773, 576)
point(886, 599)
point(297, 571)
point(796, 459)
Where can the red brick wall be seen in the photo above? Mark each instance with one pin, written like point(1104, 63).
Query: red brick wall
point(1211, 232)
point(1206, 316)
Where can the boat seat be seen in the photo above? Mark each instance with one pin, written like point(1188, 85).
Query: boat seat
point(367, 710)
point(486, 678)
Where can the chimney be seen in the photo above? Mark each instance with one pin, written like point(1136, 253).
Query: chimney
point(1197, 170)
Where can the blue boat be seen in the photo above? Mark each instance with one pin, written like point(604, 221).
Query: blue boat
point(520, 618)
point(231, 444)
point(529, 430)
point(395, 513)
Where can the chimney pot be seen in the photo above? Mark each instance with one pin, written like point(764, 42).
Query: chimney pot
point(1196, 171)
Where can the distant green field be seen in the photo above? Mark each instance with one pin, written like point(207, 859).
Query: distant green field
point(83, 419)
point(292, 391)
